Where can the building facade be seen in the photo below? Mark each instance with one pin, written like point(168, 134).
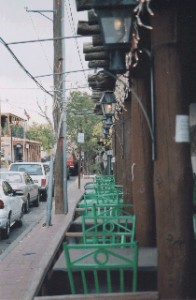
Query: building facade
point(14, 144)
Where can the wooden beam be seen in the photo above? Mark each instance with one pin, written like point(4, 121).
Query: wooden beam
point(108, 296)
point(101, 81)
point(87, 30)
point(102, 55)
point(89, 48)
point(97, 40)
point(98, 64)
point(84, 4)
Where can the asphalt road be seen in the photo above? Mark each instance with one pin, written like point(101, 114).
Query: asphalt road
point(35, 215)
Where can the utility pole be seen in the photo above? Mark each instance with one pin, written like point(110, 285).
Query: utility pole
point(61, 203)
point(0, 133)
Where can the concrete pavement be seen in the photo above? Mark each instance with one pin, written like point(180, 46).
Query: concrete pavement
point(24, 267)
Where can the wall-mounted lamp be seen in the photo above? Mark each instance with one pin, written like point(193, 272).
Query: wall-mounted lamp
point(106, 130)
point(98, 109)
point(108, 103)
point(109, 121)
point(116, 19)
point(104, 118)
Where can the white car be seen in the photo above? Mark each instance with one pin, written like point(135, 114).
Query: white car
point(11, 208)
point(21, 181)
point(38, 172)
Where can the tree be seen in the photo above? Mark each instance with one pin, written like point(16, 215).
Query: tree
point(17, 131)
point(43, 133)
point(43, 112)
point(81, 118)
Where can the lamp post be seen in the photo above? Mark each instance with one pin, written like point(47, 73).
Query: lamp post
point(24, 142)
point(106, 129)
point(11, 142)
point(116, 21)
point(0, 133)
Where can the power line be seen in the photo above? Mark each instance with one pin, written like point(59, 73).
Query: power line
point(24, 69)
point(41, 12)
point(73, 30)
point(67, 72)
point(46, 40)
point(36, 32)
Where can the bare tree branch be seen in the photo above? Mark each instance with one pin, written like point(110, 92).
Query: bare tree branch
point(44, 113)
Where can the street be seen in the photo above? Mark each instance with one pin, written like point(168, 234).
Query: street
point(29, 220)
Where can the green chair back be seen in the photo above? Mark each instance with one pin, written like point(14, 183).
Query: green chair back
point(101, 268)
point(194, 225)
point(108, 229)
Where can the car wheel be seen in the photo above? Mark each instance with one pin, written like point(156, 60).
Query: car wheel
point(6, 231)
point(36, 202)
point(19, 222)
point(44, 196)
point(26, 206)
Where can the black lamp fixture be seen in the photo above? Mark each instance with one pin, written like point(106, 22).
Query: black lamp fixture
point(106, 130)
point(108, 103)
point(116, 19)
point(109, 121)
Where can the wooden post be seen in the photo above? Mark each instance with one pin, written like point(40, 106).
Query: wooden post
point(58, 60)
point(79, 166)
point(173, 42)
point(122, 148)
point(142, 165)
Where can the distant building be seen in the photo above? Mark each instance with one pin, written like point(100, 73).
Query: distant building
point(14, 144)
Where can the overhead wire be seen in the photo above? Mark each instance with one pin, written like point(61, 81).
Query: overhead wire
point(23, 67)
point(41, 45)
point(40, 86)
point(72, 26)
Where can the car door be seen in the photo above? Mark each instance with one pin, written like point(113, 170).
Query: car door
point(33, 188)
point(46, 171)
point(12, 201)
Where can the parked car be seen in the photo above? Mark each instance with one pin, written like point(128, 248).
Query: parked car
point(11, 208)
point(72, 163)
point(21, 181)
point(38, 172)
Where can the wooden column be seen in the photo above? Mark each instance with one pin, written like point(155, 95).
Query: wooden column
point(122, 151)
point(126, 132)
point(58, 96)
point(171, 45)
point(142, 165)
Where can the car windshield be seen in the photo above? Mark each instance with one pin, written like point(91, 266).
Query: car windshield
point(11, 177)
point(32, 169)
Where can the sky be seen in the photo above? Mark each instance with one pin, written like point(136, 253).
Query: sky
point(18, 92)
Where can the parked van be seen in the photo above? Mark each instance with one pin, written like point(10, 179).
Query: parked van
point(72, 163)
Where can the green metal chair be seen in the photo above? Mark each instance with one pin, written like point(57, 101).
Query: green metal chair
point(101, 268)
point(104, 178)
point(102, 199)
point(105, 227)
point(194, 225)
point(111, 209)
point(194, 189)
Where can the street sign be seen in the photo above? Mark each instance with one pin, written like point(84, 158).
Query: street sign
point(81, 137)
point(182, 129)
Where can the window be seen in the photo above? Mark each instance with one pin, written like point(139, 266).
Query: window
point(7, 188)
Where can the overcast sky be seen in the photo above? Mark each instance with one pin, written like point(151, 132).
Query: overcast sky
point(17, 90)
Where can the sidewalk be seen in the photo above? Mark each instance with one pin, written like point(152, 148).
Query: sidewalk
point(23, 269)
